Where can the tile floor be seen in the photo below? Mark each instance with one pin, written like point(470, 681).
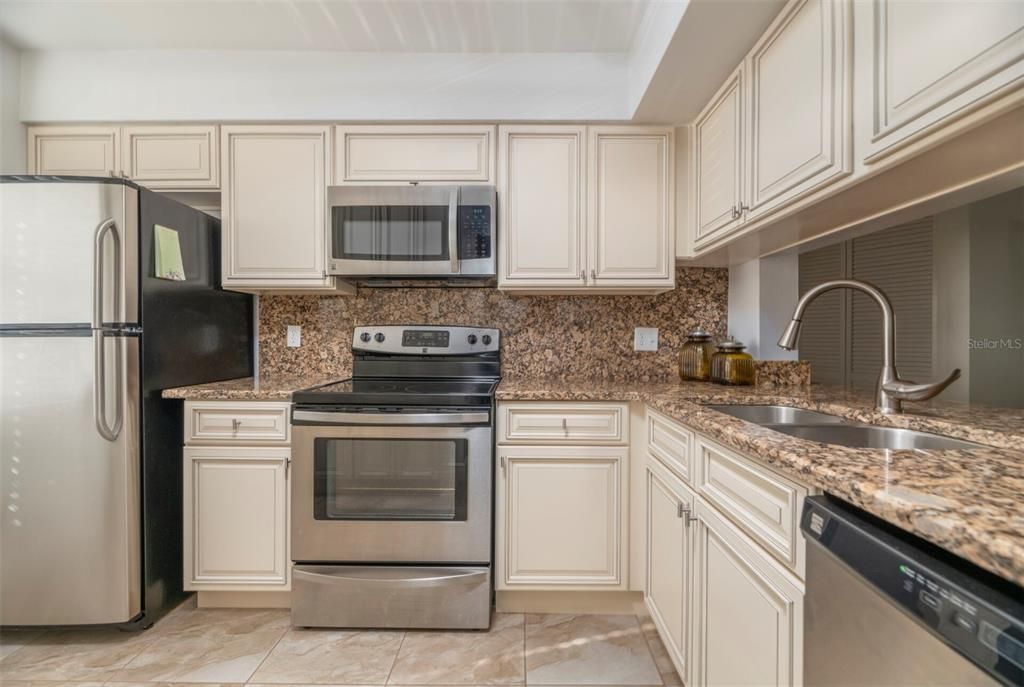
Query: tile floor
point(260, 647)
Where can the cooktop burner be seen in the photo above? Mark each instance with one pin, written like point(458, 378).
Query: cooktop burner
point(404, 392)
point(415, 365)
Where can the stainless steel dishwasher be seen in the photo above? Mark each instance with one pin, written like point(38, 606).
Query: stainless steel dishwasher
point(885, 608)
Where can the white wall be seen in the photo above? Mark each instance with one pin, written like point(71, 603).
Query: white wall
point(762, 295)
point(12, 131)
point(197, 85)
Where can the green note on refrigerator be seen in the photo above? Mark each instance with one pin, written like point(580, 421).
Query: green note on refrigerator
point(168, 254)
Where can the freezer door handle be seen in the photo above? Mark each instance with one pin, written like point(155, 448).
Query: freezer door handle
point(99, 269)
point(108, 431)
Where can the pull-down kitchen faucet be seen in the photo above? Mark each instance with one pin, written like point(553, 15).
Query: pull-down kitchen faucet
point(891, 391)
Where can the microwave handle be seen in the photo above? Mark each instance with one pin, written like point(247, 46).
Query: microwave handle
point(453, 228)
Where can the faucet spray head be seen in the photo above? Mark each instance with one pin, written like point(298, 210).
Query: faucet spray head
point(791, 335)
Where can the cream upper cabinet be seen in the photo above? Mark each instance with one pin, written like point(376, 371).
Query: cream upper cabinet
point(438, 153)
point(932, 63)
point(631, 192)
point(717, 150)
point(669, 506)
point(74, 150)
point(586, 208)
point(799, 76)
point(560, 517)
point(177, 157)
point(541, 206)
point(742, 599)
point(236, 518)
point(273, 204)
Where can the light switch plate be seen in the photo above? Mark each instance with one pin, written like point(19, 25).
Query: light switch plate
point(645, 339)
point(294, 336)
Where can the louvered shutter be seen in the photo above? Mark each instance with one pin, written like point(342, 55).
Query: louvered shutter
point(822, 339)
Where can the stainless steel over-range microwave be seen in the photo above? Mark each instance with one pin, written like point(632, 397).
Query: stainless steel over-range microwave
point(412, 231)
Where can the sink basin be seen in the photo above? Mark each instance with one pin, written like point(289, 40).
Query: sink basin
point(778, 415)
point(832, 429)
point(870, 436)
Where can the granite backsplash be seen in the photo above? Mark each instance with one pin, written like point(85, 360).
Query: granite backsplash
point(542, 336)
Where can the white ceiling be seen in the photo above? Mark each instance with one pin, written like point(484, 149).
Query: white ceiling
point(402, 26)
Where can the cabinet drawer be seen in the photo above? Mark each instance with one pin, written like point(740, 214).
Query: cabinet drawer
point(563, 423)
point(671, 443)
point(246, 422)
point(764, 504)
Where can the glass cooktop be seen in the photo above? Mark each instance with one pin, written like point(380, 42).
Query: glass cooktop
point(401, 392)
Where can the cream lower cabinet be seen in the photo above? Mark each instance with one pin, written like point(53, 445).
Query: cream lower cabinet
point(561, 517)
point(727, 603)
point(586, 208)
point(669, 560)
point(747, 613)
point(274, 207)
point(236, 495)
point(561, 496)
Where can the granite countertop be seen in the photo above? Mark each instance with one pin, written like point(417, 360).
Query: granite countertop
point(969, 502)
point(268, 388)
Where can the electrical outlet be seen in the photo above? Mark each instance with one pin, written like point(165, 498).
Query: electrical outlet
point(645, 339)
point(294, 336)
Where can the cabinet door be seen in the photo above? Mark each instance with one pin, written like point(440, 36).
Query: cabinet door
point(541, 175)
point(181, 157)
point(669, 505)
point(934, 63)
point(718, 160)
point(73, 150)
point(274, 206)
point(631, 206)
point(236, 518)
point(561, 520)
point(800, 76)
point(443, 153)
point(745, 600)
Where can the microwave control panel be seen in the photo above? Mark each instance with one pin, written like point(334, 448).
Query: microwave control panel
point(474, 232)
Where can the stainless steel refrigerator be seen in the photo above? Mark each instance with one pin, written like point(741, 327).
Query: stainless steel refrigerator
point(89, 335)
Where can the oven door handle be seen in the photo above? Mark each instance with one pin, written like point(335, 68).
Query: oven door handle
point(413, 577)
point(332, 418)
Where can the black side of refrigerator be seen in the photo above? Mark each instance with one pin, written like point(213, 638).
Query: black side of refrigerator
point(192, 332)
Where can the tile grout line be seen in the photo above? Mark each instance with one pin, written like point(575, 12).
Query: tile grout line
point(264, 660)
point(394, 661)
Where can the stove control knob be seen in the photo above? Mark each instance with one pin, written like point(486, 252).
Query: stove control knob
point(379, 337)
point(364, 337)
point(471, 339)
point(486, 338)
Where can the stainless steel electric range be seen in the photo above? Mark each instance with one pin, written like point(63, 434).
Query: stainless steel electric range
point(392, 483)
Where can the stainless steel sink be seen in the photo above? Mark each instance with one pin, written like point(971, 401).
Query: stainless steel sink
point(832, 429)
point(871, 436)
point(778, 415)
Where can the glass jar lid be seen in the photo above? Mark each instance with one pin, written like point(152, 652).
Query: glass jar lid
point(731, 344)
point(698, 334)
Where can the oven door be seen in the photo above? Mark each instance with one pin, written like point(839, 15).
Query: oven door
point(391, 487)
point(393, 230)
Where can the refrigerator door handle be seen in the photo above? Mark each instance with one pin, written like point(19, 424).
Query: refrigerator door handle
point(99, 268)
point(106, 430)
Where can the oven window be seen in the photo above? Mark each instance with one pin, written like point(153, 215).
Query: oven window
point(390, 479)
point(398, 232)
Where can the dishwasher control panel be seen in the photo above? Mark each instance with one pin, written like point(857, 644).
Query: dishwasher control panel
point(980, 617)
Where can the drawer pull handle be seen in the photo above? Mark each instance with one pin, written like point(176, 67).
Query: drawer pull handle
point(235, 424)
point(565, 426)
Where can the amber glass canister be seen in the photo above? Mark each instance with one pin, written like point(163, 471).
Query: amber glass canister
point(731, 364)
point(695, 356)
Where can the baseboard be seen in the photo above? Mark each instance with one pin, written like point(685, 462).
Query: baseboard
point(610, 603)
point(243, 600)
